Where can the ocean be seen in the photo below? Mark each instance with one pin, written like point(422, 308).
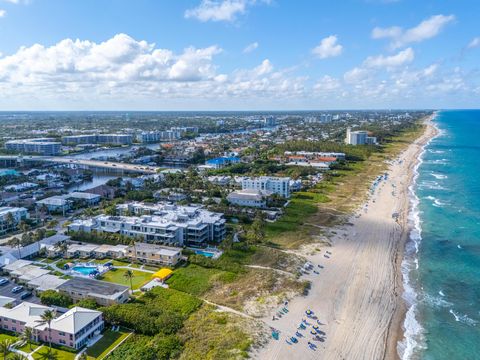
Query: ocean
point(442, 262)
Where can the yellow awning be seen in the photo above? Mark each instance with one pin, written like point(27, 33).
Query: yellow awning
point(162, 274)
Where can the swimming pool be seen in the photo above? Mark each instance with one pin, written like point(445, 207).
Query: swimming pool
point(85, 270)
point(204, 253)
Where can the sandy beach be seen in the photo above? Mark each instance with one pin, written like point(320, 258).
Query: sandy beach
point(357, 295)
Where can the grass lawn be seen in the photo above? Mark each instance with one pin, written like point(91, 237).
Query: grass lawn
point(109, 340)
point(28, 348)
point(196, 280)
point(119, 263)
point(117, 276)
point(9, 337)
point(62, 354)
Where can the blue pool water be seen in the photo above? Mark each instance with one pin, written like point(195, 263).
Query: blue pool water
point(85, 270)
point(204, 253)
point(4, 172)
point(443, 256)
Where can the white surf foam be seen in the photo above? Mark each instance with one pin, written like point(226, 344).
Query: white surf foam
point(463, 318)
point(414, 340)
point(439, 176)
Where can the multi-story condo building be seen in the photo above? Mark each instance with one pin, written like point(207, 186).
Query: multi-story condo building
point(121, 139)
point(154, 254)
point(72, 329)
point(41, 146)
point(359, 138)
point(160, 223)
point(157, 136)
point(7, 222)
point(275, 185)
point(80, 139)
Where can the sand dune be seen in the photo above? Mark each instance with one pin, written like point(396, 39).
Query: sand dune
point(357, 294)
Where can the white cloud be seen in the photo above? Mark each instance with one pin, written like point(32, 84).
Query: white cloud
point(250, 47)
point(218, 10)
point(427, 29)
point(474, 43)
point(328, 47)
point(12, 1)
point(402, 58)
point(2, 13)
point(125, 71)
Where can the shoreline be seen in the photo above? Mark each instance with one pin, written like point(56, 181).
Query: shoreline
point(358, 293)
point(400, 317)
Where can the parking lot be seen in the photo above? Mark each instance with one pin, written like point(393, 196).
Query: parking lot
point(6, 290)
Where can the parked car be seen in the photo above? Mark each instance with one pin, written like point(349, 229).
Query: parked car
point(25, 295)
point(3, 281)
point(17, 289)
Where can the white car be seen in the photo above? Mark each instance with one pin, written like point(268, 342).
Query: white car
point(3, 281)
point(17, 289)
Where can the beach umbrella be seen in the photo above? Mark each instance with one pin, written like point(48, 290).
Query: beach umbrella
point(315, 327)
point(313, 332)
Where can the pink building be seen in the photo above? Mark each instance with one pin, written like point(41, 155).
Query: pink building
point(74, 329)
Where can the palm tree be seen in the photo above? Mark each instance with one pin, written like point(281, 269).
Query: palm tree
point(27, 336)
point(129, 275)
point(50, 354)
point(46, 319)
point(132, 244)
point(16, 242)
point(10, 220)
point(83, 356)
point(23, 226)
point(5, 347)
point(62, 247)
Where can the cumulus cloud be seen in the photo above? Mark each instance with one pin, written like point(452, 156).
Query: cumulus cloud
point(474, 43)
point(125, 69)
point(402, 58)
point(328, 47)
point(427, 29)
point(120, 58)
point(250, 47)
point(220, 10)
point(2, 13)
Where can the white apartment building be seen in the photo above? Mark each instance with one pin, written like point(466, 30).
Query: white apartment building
point(154, 254)
point(122, 139)
point(157, 136)
point(359, 138)
point(248, 197)
point(275, 185)
point(42, 146)
point(18, 214)
point(160, 223)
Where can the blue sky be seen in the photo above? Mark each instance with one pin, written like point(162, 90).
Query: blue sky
point(238, 54)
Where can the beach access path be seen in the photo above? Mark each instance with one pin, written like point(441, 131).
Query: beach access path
point(357, 295)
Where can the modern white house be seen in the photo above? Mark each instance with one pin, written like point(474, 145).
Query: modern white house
point(55, 204)
point(275, 185)
point(249, 197)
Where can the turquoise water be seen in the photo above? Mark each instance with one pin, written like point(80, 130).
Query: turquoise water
point(444, 271)
point(85, 270)
point(204, 253)
point(4, 172)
